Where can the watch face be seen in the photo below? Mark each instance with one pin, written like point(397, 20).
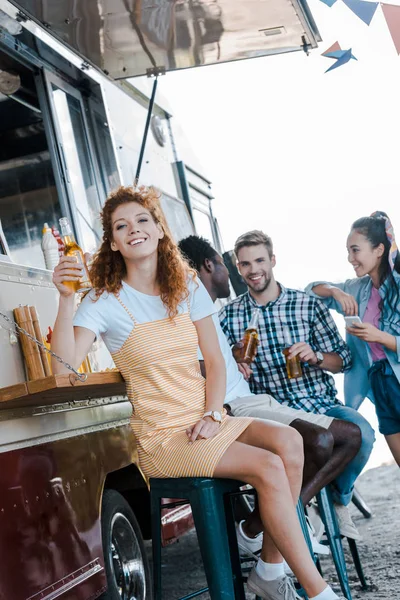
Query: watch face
point(320, 357)
point(217, 416)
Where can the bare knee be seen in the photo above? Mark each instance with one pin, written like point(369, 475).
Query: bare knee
point(347, 435)
point(269, 472)
point(291, 449)
point(319, 447)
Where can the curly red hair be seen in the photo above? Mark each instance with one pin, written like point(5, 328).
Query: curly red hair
point(109, 269)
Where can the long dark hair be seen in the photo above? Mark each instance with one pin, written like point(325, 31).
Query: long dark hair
point(373, 228)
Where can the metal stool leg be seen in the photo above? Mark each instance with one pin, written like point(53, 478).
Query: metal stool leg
point(156, 544)
point(360, 503)
point(229, 501)
point(328, 516)
point(357, 563)
point(208, 515)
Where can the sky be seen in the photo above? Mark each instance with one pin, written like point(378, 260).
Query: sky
point(299, 153)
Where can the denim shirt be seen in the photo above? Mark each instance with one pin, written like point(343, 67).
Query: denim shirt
point(356, 381)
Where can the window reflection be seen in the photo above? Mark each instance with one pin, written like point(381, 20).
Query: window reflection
point(28, 196)
point(79, 169)
point(105, 152)
point(203, 225)
point(177, 217)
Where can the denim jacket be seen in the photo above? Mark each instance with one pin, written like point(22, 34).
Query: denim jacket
point(356, 382)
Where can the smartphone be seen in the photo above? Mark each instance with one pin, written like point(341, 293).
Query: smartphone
point(351, 321)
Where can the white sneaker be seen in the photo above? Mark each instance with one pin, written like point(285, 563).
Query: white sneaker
point(314, 519)
point(248, 546)
point(345, 522)
point(277, 589)
point(316, 546)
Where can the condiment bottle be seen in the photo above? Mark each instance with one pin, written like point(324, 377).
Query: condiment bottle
point(250, 339)
point(293, 365)
point(49, 248)
point(73, 250)
point(60, 243)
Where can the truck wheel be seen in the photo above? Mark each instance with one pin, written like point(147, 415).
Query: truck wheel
point(126, 564)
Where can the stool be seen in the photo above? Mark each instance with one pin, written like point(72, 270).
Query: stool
point(215, 526)
point(328, 516)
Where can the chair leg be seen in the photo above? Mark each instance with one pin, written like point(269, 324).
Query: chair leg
point(360, 503)
point(208, 508)
point(328, 516)
point(303, 524)
point(357, 563)
point(236, 566)
point(156, 544)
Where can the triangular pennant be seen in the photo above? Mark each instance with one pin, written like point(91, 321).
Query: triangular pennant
point(335, 54)
point(363, 10)
point(392, 16)
point(334, 48)
point(342, 56)
point(329, 3)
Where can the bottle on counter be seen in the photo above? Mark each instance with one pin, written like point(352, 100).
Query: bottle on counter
point(73, 250)
point(60, 243)
point(293, 365)
point(250, 339)
point(49, 248)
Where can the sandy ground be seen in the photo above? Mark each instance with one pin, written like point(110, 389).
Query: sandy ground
point(379, 549)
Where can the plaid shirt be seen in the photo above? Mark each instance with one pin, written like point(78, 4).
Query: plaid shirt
point(308, 321)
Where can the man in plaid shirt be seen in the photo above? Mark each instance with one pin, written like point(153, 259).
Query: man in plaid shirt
point(314, 339)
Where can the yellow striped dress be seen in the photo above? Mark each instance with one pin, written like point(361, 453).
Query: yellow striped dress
point(160, 366)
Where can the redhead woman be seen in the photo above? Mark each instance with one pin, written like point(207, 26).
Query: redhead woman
point(152, 313)
point(374, 296)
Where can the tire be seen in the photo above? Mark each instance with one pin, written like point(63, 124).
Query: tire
point(126, 564)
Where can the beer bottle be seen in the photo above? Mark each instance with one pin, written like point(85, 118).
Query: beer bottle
point(250, 339)
point(73, 250)
point(293, 365)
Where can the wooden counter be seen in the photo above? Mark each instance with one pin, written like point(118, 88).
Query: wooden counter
point(62, 388)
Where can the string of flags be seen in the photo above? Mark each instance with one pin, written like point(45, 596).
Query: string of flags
point(364, 10)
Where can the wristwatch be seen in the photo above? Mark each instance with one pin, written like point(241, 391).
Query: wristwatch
point(320, 357)
point(215, 415)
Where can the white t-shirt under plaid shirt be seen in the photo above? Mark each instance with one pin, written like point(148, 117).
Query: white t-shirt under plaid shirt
point(308, 321)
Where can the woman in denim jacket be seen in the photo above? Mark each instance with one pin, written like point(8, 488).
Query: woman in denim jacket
point(375, 343)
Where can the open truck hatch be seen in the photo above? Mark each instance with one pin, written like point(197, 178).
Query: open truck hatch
point(128, 38)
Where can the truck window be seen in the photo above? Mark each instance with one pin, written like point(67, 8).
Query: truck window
point(28, 195)
point(177, 217)
point(83, 182)
point(203, 225)
point(104, 147)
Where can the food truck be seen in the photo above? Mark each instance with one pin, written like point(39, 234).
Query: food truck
point(74, 506)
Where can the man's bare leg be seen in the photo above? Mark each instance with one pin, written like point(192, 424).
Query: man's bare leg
point(326, 453)
point(323, 469)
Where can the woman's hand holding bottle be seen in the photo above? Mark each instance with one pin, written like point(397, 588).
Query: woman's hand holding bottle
point(347, 302)
point(68, 269)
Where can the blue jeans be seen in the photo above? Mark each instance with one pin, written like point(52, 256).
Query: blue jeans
point(344, 483)
point(386, 388)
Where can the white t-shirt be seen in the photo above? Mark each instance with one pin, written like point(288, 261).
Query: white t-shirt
point(108, 319)
point(236, 385)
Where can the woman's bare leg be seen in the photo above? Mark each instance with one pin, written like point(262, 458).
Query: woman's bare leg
point(393, 442)
point(265, 471)
point(288, 444)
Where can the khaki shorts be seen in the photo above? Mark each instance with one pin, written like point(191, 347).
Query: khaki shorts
point(264, 406)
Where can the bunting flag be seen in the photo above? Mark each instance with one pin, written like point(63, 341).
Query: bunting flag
point(341, 56)
point(391, 13)
point(329, 3)
point(333, 48)
point(363, 10)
